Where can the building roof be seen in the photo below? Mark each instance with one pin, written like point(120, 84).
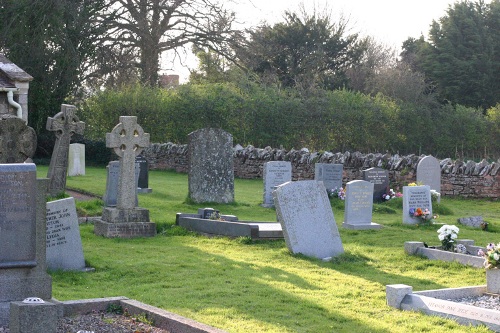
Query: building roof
point(5, 82)
point(12, 71)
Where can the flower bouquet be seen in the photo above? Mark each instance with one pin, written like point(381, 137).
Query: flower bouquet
point(447, 236)
point(423, 214)
point(492, 256)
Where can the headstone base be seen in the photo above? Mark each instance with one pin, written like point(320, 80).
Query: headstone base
point(18, 287)
point(144, 190)
point(32, 318)
point(124, 230)
point(116, 215)
point(361, 226)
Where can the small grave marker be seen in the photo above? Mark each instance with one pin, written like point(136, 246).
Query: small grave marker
point(143, 176)
point(359, 206)
point(76, 161)
point(329, 174)
point(275, 173)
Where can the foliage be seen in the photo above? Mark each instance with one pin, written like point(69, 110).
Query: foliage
point(114, 308)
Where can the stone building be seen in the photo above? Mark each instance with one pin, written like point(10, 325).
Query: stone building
point(14, 85)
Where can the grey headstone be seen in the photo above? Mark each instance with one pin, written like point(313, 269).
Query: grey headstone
point(143, 181)
point(306, 217)
point(113, 174)
point(17, 141)
point(76, 161)
point(472, 221)
point(64, 244)
point(64, 125)
point(380, 179)
point(415, 197)
point(211, 170)
point(329, 174)
point(359, 206)
point(429, 173)
point(275, 173)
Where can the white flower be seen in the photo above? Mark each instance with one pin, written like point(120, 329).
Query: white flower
point(441, 237)
point(454, 236)
point(496, 256)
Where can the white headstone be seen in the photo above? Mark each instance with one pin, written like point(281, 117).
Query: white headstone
point(329, 174)
point(64, 245)
point(306, 217)
point(76, 161)
point(429, 173)
point(415, 197)
point(359, 206)
point(275, 173)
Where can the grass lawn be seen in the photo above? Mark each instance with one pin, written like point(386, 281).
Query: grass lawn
point(244, 286)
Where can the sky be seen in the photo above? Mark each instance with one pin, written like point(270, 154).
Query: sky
point(389, 21)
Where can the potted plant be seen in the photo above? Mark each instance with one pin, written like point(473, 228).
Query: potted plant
point(492, 265)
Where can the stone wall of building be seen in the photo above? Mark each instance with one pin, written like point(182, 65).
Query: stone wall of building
point(458, 178)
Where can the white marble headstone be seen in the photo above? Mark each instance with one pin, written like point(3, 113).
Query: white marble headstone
point(63, 244)
point(307, 220)
point(76, 160)
point(359, 206)
point(275, 173)
point(415, 197)
point(429, 173)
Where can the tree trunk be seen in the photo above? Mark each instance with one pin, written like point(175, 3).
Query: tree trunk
point(150, 65)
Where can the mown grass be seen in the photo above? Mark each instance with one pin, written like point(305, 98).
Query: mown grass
point(243, 286)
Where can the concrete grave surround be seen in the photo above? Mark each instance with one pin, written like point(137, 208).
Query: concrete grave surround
point(126, 220)
point(329, 174)
point(143, 177)
point(17, 141)
point(22, 237)
point(113, 174)
point(211, 170)
point(76, 161)
point(429, 173)
point(380, 179)
point(64, 244)
point(359, 206)
point(307, 220)
point(64, 124)
point(275, 173)
point(415, 197)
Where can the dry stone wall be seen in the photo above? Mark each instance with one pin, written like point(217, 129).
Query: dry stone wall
point(458, 178)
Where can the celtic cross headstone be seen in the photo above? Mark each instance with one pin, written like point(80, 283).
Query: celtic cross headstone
point(64, 124)
point(17, 141)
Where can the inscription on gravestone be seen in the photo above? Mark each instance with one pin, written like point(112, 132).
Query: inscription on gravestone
point(380, 179)
point(329, 174)
point(275, 173)
point(17, 215)
point(415, 197)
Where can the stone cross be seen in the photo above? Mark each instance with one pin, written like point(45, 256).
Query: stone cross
point(17, 141)
point(127, 139)
point(64, 124)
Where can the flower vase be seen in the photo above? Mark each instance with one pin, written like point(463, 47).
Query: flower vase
point(493, 280)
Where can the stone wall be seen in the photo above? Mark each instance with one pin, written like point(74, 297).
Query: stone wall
point(458, 178)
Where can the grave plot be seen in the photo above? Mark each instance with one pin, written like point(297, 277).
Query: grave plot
point(470, 256)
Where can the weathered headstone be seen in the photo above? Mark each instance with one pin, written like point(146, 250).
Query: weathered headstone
point(359, 206)
point(64, 245)
point(415, 197)
point(143, 178)
point(329, 174)
point(113, 174)
point(211, 170)
point(76, 161)
point(126, 219)
point(64, 124)
point(306, 217)
point(380, 179)
point(429, 173)
point(275, 173)
point(17, 141)
point(22, 237)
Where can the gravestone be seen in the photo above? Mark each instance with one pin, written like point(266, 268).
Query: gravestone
point(306, 217)
point(17, 141)
point(126, 219)
point(380, 179)
point(275, 173)
point(22, 237)
point(64, 124)
point(76, 161)
point(113, 174)
point(429, 173)
point(64, 244)
point(143, 178)
point(415, 197)
point(359, 206)
point(211, 170)
point(329, 174)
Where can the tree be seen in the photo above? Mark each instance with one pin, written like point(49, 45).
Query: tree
point(151, 27)
point(303, 51)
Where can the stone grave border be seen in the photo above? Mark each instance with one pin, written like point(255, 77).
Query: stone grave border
point(230, 227)
point(419, 249)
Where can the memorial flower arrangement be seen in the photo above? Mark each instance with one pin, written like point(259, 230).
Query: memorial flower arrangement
point(447, 236)
point(492, 256)
point(391, 194)
point(423, 214)
point(337, 193)
point(435, 195)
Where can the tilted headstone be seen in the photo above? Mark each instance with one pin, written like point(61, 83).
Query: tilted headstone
point(275, 173)
point(429, 173)
point(143, 179)
point(64, 244)
point(17, 141)
point(113, 174)
point(329, 174)
point(380, 179)
point(306, 217)
point(211, 170)
point(415, 197)
point(126, 219)
point(64, 124)
point(359, 206)
point(23, 269)
point(76, 161)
